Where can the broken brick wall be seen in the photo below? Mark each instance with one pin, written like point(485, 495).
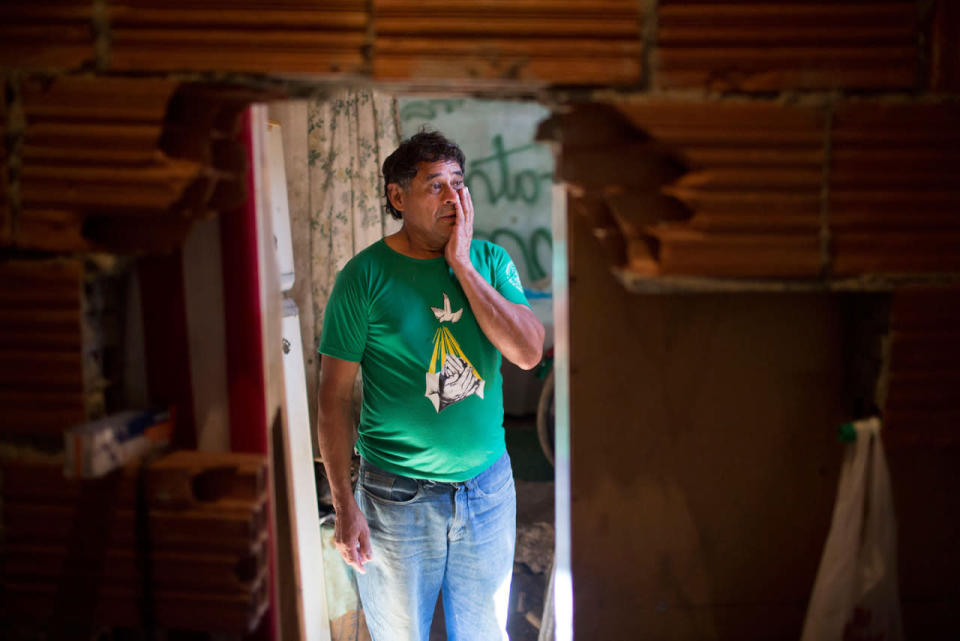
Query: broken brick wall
point(788, 140)
point(740, 228)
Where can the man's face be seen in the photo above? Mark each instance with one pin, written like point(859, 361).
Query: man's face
point(428, 205)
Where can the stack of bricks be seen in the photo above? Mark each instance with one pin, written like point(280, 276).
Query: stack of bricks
point(787, 191)
point(813, 141)
point(189, 551)
point(43, 388)
point(919, 388)
point(99, 164)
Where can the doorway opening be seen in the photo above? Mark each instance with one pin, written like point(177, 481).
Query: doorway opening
point(333, 148)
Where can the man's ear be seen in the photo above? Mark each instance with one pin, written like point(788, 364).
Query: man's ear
point(395, 193)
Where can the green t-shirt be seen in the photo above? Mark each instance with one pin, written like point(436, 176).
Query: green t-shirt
point(432, 389)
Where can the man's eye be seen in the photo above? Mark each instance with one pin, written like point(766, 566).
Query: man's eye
point(457, 185)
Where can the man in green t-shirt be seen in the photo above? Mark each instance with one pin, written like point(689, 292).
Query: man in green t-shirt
point(425, 314)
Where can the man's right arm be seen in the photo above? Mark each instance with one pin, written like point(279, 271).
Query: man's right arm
point(351, 533)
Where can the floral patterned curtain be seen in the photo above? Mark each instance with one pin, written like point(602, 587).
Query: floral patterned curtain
point(349, 134)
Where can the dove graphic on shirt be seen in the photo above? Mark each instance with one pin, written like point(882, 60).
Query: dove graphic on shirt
point(451, 377)
point(445, 315)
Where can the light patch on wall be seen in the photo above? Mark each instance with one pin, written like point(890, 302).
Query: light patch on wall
point(509, 175)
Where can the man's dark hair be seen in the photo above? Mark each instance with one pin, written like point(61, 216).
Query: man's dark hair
point(425, 146)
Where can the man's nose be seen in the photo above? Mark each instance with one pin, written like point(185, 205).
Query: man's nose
point(449, 193)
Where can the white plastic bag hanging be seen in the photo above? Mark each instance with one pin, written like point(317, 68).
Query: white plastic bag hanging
point(855, 596)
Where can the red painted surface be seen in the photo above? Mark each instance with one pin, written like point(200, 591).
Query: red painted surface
point(244, 331)
point(244, 337)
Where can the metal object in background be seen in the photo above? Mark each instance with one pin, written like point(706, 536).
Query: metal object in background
point(545, 418)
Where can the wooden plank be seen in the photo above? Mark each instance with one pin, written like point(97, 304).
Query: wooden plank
point(293, 118)
point(301, 486)
point(290, 613)
point(203, 306)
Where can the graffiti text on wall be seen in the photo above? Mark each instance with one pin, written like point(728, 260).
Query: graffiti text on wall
point(429, 109)
point(530, 248)
point(506, 184)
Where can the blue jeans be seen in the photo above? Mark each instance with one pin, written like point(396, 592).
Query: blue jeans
point(429, 537)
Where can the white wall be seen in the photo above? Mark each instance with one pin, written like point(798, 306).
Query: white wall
point(508, 174)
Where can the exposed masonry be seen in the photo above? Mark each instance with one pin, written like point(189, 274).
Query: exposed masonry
point(648, 9)
point(13, 146)
point(722, 85)
point(100, 28)
point(825, 249)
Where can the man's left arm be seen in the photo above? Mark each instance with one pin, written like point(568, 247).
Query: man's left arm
point(512, 328)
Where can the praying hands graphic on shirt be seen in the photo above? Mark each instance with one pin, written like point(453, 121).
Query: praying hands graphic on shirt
point(457, 378)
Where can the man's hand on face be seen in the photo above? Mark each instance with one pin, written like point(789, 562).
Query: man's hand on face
point(457, 250)
point(352, 536)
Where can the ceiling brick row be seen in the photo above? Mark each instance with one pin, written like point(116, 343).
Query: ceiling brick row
point(743, 45)
point(758, 45)
point(294, 36)
point(560, 41)
point(761, 189)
